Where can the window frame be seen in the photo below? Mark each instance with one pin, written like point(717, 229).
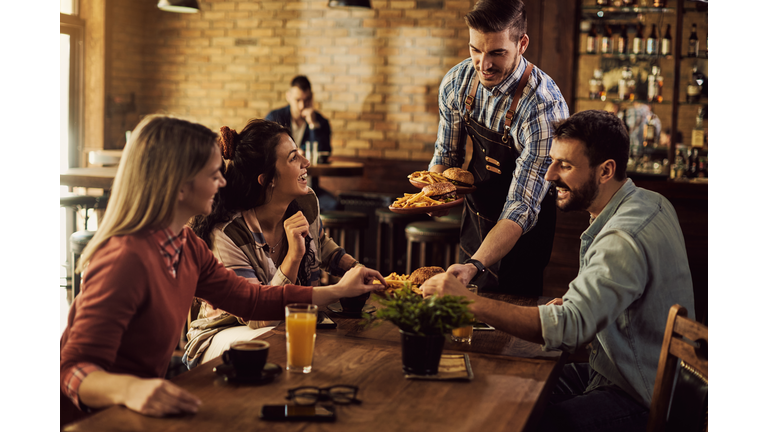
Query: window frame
point(75, 28)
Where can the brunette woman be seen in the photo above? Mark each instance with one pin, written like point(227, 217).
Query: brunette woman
point(265, 226)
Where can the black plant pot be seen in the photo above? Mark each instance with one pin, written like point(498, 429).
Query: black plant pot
point(421, 354)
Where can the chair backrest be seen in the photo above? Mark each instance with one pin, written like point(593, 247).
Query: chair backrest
point(683, 367)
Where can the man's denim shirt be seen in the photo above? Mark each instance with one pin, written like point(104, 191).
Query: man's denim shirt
point(633, 267)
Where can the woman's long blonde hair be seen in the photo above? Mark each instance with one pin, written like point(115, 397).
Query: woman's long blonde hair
point(162, 154)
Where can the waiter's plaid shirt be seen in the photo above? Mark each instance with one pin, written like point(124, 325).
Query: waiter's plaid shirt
point(540, 105)
point(170, 245)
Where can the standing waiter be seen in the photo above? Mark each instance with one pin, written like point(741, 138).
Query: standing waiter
point(508, 223)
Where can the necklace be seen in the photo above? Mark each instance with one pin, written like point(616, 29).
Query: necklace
point(273, 248)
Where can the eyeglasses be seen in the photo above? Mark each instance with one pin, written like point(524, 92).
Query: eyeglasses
point(338, 394)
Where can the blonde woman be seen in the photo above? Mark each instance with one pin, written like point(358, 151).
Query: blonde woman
point(265, 226)
point(143, 267)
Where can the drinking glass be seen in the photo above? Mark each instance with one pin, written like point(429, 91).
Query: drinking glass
point(464, 334)
point(300, 325)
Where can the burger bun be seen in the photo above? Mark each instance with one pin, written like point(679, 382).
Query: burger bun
point(421, 274)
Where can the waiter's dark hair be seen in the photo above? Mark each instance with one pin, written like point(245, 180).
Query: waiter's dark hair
point(494, 16)
point(603, 134)
point(302, 83)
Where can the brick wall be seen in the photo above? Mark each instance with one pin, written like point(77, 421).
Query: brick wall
point(375, 73)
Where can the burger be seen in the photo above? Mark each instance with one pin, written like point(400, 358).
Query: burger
point(459, 177)
point(443, 191)
point(421, 274)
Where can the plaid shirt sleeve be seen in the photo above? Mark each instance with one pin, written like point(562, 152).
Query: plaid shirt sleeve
point(533, 136)
point(72, 380)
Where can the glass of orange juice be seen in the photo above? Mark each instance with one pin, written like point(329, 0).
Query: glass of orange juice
point(464, 334)
point(300, 325)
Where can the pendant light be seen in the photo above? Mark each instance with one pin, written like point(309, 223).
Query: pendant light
point(350, 3)
point(179, 6)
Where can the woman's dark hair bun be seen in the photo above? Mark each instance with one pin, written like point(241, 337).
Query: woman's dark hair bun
point(228, 142)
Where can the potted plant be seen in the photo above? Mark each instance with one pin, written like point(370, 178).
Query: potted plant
point(423, 323)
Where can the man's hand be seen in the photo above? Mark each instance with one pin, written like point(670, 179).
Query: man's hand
point(308, 114)
point(445, 284)
point(555, 301)
point(463, 272)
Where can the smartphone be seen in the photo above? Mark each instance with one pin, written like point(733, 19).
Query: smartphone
point(315, 413)
point(482, 326)
point(324, 321)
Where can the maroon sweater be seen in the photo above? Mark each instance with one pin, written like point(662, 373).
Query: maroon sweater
point(129, 314)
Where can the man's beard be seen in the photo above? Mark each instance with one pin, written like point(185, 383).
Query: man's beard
point(581, 197)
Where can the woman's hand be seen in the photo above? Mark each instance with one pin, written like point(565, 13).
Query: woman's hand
point(296, 229)
point(154, 397)
point(158, 397)
point(356, 281)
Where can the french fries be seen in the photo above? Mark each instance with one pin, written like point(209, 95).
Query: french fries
point(395, 282)
point(427, 177)
point(415, 200)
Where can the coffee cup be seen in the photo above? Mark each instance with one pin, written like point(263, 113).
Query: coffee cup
point(247, 358)
point(354, 304)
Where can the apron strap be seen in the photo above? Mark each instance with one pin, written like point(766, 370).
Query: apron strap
point(515, 101)
point(470, 99)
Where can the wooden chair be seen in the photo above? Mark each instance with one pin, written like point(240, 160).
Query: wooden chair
point(683, 366)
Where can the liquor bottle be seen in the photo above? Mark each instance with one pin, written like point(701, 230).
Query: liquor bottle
point(693, 163)
point(693, 42)
point(606, 42)
point(592, 39)
point(601, 2)
point(652, 44)
point(621, 45)
point(637, 42)
point(666, 42)
point(655, 83)
point(681, 162)
point(697, 134)
point(626, 85)
point(659, 3)
point(649, 132)
point(596, 88)
point(693, 91)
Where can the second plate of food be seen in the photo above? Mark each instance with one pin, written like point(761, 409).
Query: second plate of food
point(427, 209)
point(461, 190)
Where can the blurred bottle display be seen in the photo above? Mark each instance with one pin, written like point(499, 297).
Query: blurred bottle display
point(622, 41)
point(693, 42)
point(693, 163)
point(659, 3)
point(637, 42)
point(592, 39)
point(652, 44)
point(666, 41)
point(601, 2)
point(606, 42)
point(655, 84)
point(596, 87)
point(693, 90)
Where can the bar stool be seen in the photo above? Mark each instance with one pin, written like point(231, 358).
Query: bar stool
point(445, 234)
point(390, 238)
point(339, 223)
point(77, 243)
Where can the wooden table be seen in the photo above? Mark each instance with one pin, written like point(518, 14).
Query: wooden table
point(333, 169)
point(92, 177)
point(510, 378)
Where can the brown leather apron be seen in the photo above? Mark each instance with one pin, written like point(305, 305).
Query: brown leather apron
point(521, 271)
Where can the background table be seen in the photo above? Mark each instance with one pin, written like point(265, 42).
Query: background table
point(505, 394)
point(333, 169)
point(92, 177)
